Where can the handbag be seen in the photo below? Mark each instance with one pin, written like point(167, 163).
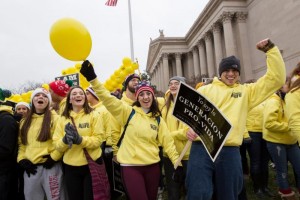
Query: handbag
point(100, 183)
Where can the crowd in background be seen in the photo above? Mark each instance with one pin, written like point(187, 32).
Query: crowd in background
point(44, 144)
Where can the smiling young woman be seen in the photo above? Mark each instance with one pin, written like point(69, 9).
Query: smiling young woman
point(43, 172)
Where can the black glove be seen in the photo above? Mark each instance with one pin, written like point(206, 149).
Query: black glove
point(72, 134)
point(87, 70)
point(28, 166)
point(68, 138)
point(267, 47)
point(178, 175)
point(77, 139)
point(48, 164)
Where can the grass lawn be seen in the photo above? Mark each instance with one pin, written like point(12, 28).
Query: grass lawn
point(272, 184)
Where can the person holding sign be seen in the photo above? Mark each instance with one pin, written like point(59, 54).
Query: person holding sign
point(224, 177)
point(178, 132)
point(138, 153)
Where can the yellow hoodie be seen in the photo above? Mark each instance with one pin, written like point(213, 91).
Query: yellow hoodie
point(254, 121)
point(35, 150)
point(276, 127)
point(292, 110)
point(89, 127)
point(236, 101)
point(106, 120)
point(143, 134)
point(116, 128)
point(177, 128)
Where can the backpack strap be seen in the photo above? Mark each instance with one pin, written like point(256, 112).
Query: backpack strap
point(125, 127)
point(158, 120)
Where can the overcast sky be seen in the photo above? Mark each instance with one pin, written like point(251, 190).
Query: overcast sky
point(26, 52)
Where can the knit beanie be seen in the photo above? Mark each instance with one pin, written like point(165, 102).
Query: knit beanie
point(23, 104)
point(60, 87)
point(4, 94)
point(41, 90)
point(177, 78)
point(92, 92)
point(142, 86)
point(230, 62)
point(129, 78)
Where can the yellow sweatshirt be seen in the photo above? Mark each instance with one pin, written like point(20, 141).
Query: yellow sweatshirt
point(292, 111)
point(247, 96)
point(106, 120)
point(177, 129)
point(254, 121)
point(143, 134)
point(276, 127)
point(89, 127)
point(35, 150)
point(116, 128)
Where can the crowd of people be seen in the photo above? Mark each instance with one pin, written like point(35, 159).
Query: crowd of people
point(44, 144)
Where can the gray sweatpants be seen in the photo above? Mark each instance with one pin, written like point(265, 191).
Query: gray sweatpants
point(46, 182)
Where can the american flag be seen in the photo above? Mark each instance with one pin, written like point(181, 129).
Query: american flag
point(111, 2)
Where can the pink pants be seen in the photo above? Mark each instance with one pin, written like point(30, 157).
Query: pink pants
point(141, 182)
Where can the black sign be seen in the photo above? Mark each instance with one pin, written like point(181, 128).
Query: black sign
point(72, 77)
point(117, 179)
point(203, 117)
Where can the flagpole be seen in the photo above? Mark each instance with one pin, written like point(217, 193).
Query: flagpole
point(130, 31)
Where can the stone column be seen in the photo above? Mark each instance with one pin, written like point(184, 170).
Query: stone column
point(202, 56)
point(228, 33)
point(246, 71)
point(153, 77)
point(158, 76)
point(173, 72)
point(210, 55)
point(161, 74)
point(178, 64)
point(196, 62)
point(216, 27)
point(166, 76)
point(190, 64)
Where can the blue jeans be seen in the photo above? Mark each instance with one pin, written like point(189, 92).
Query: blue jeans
point(224, 177)
point(281, 154)
point(259, 160)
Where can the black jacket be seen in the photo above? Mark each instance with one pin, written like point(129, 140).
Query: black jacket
point(8, 141)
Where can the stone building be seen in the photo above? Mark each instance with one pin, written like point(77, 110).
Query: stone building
point(224, 28)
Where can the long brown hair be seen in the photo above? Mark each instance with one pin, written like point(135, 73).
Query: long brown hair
point(44, 134)
point(296, 84)
point(86, 107)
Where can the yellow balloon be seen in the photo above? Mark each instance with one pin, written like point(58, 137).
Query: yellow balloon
point(78, 66)
point(126, 61)
point(129, 70)
point(46, 86)
point(135, 66)
point(64, 72)
point(70, 39)
point(83, 82)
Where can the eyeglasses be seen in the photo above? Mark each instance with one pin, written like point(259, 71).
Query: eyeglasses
point(174, 84)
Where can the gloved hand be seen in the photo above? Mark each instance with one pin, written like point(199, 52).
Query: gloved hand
point(77, 139)
point(48, 164)
point(178, 175)
point(72, 134)
point(265, 45)
point(28, 166)
point(68, 138)
point(87, 70)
